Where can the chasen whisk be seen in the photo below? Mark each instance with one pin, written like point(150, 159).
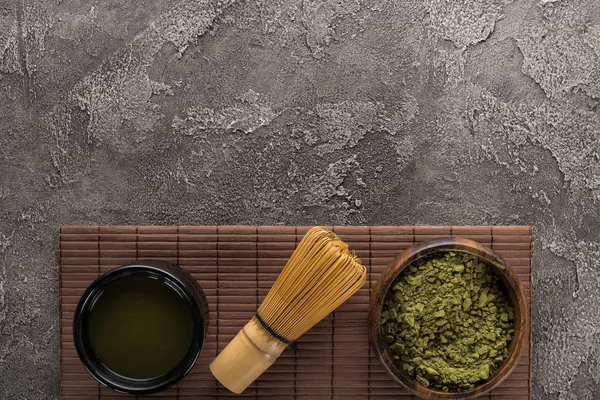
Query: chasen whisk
point(319, 276)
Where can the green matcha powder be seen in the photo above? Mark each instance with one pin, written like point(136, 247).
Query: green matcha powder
point(447, 321)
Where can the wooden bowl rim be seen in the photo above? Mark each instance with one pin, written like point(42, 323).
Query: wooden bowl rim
point(511, 283)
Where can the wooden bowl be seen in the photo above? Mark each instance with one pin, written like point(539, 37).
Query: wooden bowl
point(513, 290)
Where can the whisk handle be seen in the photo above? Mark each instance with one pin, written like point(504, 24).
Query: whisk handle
point(246, 357)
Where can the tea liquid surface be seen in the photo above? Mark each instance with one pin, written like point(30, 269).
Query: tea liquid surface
point(140, 327)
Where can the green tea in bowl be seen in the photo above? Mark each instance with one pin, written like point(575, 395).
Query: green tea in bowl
point(447, 321)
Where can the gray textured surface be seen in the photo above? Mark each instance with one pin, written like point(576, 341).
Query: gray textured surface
point(302, 112)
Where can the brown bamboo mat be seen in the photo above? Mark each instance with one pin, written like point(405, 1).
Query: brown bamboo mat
point(236, 266)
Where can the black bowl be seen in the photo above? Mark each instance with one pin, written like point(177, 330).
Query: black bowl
point(180, 281)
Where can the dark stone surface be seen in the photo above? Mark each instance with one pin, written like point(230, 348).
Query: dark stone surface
point(302, 112)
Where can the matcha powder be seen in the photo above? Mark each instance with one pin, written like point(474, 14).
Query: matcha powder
point(447, 321)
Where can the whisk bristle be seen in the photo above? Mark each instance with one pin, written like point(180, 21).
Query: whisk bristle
point(320, 275)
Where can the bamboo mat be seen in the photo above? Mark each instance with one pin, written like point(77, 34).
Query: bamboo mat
point(236, 266)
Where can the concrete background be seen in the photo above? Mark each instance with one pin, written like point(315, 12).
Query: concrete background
point(302, 112)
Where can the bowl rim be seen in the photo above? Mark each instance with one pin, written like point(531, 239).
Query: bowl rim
point(194, 298)
point(514, 290)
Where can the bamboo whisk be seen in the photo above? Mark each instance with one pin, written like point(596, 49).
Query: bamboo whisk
point(319, 276)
